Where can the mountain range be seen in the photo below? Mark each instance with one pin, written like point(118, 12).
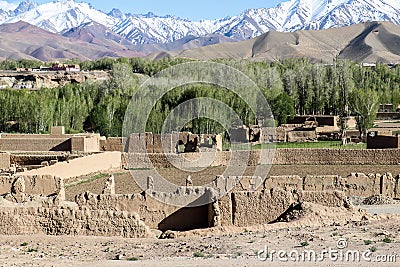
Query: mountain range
point(115, 33)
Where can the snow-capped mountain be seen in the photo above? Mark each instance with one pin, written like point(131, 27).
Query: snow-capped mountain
point(62, 15)
point(25, 6)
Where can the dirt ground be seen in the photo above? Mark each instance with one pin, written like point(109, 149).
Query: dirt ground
point(215, 247)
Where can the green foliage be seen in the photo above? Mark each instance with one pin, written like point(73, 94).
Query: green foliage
point(293, 86)
point(387, 240)
point(304, 244)
point(22, 63)
point(283, 108)
point(364, 104)
point(199, 254)
point(367, 242)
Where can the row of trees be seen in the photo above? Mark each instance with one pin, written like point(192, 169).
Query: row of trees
point(291, 87)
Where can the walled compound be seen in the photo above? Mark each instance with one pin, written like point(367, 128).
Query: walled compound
point(33, 201)
point(307, 128)
point(39, 202)
point(57, 140)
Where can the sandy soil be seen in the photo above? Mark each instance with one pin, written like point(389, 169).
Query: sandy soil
point(217, 247)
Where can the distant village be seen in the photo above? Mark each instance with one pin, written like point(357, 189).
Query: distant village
point(54, 67)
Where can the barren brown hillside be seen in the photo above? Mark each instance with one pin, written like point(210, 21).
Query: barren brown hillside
point(22, 40)
point(367, 42)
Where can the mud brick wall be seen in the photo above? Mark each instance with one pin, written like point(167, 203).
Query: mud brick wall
point(70, 221)
point(251, 208)
point(150, 210)
point(44, 185)
point(378, 141)
point(325, 198)
point(81, 166)
point(356, 184)
point(301, 136)
point(36, 159)
point(153, 213)
point(35, 144)
point(337, 156)
point(284, 157)
point(34, 136)
point(113, 144)
point(5, 161)
point(325, 182)
point(137, 143)
point(5, 184)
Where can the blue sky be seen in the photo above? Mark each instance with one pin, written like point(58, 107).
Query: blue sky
point(194, 10)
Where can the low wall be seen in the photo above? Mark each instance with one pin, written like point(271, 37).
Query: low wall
point(5, 161)
point(44, 185)
point(34, 136)
point(297, 156)
point(113, 144)
point(252, 208)
point(35, 144)
point(380, 142)
point(81, 166)
point(354, 185)
point(37, 159)
point(337, 156)
point(70, 221)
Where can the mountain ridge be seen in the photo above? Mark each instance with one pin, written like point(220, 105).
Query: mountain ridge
point(369, 42)
point(63, 15)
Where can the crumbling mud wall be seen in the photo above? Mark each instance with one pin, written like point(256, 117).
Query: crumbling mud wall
point(242, 205)
point(154, 211)
point(70, 221)
point(22, 211)
point(44, 185)
point(261, 207)
point(354, 185)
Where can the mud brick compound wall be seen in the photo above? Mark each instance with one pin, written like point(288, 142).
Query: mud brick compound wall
point(132, 215)
point(281, 157)
point(35, 144)
point(337, 156)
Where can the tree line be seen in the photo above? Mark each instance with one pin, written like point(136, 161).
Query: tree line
point(295, 86)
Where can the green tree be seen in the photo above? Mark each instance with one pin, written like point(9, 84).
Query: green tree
point(364, 105)
point(283, 108)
